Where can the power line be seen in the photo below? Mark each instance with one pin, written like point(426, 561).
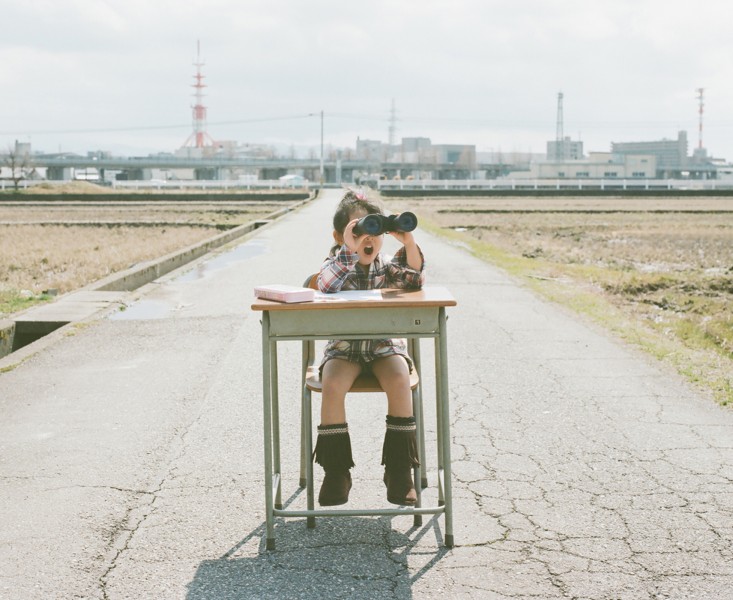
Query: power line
point(150, 127)
point(422, 120)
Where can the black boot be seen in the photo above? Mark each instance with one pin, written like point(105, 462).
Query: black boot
point(399, 457)
point(333, 453)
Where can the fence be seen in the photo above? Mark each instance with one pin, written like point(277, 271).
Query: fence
point(554, 184)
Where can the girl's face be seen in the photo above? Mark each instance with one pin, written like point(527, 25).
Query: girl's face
point(369, 245)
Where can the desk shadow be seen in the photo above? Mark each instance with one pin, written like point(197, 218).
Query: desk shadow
point(344, 557)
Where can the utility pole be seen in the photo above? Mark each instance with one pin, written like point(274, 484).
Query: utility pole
point(392, 125)
point(559, 134)
point(700, 92)
point(321, 149)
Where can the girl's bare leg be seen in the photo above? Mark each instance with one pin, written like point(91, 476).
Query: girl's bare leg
point(337, 377)
point(394, 377)
point(399, 452)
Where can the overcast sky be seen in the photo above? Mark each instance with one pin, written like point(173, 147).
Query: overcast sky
point(80, 75)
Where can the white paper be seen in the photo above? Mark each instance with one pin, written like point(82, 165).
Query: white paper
point(349, 296)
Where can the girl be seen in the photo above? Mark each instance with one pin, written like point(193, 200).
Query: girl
point(355, 263)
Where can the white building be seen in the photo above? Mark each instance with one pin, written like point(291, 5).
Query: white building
point(598, 165)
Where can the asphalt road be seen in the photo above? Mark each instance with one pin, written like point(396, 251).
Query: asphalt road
point(131, 453)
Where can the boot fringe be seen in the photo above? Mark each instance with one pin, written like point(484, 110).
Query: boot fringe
point(400, 443)
point(333, 448)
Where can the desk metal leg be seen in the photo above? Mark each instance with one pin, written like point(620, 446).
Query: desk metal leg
point(439, 422)
point(303, 460)
point(267, 429)
point(275, 399)
point(444, 441)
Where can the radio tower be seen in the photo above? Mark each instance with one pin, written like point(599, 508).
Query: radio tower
point(199, 137)
point(392, 124)
point(700, 92)
point(559, 134)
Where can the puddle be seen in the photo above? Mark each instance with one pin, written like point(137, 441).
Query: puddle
point(149, 309)
point(144, 310)
point(225, 260)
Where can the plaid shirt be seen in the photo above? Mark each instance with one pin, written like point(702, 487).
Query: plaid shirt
point(340, 272)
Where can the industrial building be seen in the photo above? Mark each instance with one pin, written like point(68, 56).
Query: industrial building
point(598, 165)
point(671, 155)
point(564, 149)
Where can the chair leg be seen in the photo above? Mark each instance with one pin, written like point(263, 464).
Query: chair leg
point(307, 450)
point(417, 408)
point(417, 519)
point(421, 481)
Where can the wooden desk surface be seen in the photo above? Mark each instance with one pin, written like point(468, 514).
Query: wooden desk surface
point(382, 298)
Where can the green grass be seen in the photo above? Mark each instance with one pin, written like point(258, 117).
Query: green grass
point(12, 301)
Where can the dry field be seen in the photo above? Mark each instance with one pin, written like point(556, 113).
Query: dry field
point(47, 245)
point(212, 214)
point(658, 271)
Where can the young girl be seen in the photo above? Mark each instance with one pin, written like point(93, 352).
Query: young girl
point(355, 263)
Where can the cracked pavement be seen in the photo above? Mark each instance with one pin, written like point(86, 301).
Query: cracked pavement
point(131, 460)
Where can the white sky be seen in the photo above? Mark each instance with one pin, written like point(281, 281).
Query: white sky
point(80, 75)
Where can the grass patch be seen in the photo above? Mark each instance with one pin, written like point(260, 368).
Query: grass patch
point(13, 301)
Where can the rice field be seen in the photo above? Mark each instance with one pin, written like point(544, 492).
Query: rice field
point(659, 271)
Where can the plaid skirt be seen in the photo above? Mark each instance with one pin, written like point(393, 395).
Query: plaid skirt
point(364, 352)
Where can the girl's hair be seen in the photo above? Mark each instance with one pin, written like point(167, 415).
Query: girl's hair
point(350, 203)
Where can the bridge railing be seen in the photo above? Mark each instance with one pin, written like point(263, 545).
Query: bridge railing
point(155, 184)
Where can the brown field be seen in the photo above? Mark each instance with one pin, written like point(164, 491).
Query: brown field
point(63, 246)
point(214, 214)
point(664, 265)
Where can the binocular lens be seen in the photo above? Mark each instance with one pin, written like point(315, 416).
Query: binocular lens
point(406, 221)
point(369, 225)
point(379, 224)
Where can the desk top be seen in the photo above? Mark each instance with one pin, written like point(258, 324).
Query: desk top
point(382, 298)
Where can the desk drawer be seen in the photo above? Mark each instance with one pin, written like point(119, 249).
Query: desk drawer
point(358, 321)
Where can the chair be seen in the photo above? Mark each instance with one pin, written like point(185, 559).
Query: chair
point(365, 383)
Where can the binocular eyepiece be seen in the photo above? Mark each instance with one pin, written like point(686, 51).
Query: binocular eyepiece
point(379, 224)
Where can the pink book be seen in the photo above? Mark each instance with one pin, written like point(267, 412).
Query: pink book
point(285, 293)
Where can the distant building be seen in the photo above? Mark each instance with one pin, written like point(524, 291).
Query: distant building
point(671, 155)
point(417, 157)
point(598, 165)
point(414, 149)
point(463, 155)
point(370, 150)
point(565, 149)
point(415, 144)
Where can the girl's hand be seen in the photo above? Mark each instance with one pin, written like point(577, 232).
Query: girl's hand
point(412, 252)
point(353, 242)
point(349, 238)
point(403, 237)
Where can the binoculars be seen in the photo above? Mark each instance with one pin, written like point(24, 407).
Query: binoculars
point(379, 224)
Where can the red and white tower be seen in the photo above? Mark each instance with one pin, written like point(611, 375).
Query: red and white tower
point(199, 138)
